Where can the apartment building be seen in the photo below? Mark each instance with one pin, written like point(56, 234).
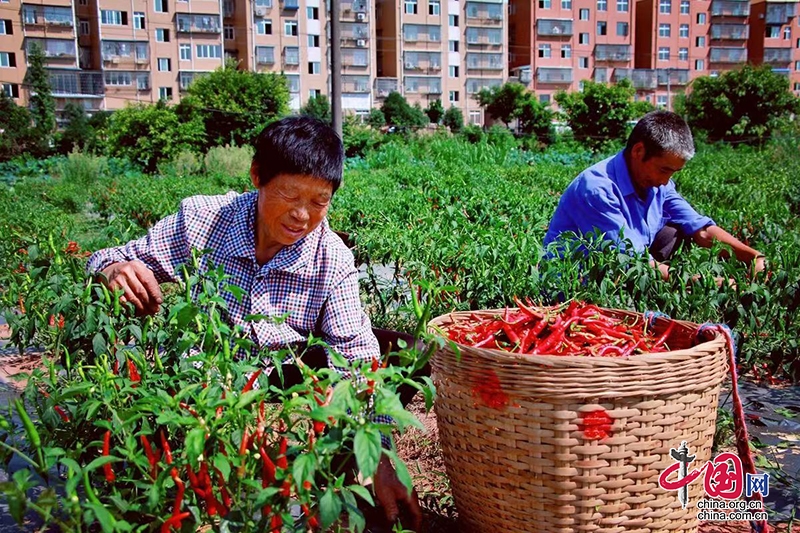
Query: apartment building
point(775, 38)
point(558, 44)
point(441, 50)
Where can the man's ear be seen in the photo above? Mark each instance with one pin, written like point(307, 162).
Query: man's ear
point(638, 151)
point(254, 174)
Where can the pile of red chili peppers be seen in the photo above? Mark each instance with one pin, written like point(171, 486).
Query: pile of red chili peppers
point(575, 329)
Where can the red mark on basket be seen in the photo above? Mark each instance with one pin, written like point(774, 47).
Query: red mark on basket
point(596, 424)
point(490, 391)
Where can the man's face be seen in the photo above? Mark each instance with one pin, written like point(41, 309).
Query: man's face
point(654, 171)
point(289, 208)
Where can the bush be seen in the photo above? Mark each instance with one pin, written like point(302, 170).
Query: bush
point(376, 118)
point(82, 169)
point(318, 107)
point(397, 112)
point(453, 119)
point(229, 162)
point(359, 139)
point(186, 163)
point(472, 133)
point(435, 111)
point(77, 131)
point(501, 137)
point(503, 102)
point(599, 113)
point(536, 118)
point(18, 136)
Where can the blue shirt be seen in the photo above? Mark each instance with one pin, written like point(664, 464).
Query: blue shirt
point(603, 197)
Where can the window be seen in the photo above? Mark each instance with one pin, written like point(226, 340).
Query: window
point(683, 31)
point(701, 18)
point(453, 70)
point(8, 59)
point(312, 13)
point(313, 67)
point(11, 90)
point(164, 64)
point(583, 38)
point(684, 7)
point(683, 54)
point(453, 46)
point(622, 6)
point(797, 65)
point(664, 30)
point(699, 64)
point(264, 26)
point(161, 6)
point(583, 14)
point(411, 7)
point(583, 62)
point(566, 4)
point(138, 20)
point(544, 50)
point(227, 33)
point(661, 100)
point(209, 51)
point(663, 53)
point(186, 52)
point(566, 51)
point(773, 32)
point(113, 18)
point(787, 33)
point(453, 97)
point(290, 28)
point(602, 28)
point(798, 43)
point(313, 41)
point(314, 93)
point(475, 117)
point(665, 6)
point(544, 98)
point(700, 42)
point(84, 27)
point(120, 79)
point(265, 55)
point(545, 4)
point(165, 93)
point(602, 5)
point(622, 29)
point(291, 55)
point(452, 21)
point(434, 8)
point(162, 35)
point(797, 86)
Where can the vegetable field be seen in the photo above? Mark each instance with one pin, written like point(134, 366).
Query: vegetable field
point(167, 418)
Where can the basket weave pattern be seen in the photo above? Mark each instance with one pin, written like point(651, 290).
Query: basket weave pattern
point(527, 465)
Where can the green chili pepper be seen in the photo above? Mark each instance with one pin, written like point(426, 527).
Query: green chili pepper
point(30, 429)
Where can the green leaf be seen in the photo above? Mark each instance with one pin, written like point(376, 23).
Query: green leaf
point(367, 445)
point(330, 507)
point(222, 464)
point(362, 493)
point(99, 344)
point(105, 518)
point(153, 496)
point(247, 398)
point(303, 469)
point(72, 464)
point(401, 470)
point(100, 461)
point(195, 442)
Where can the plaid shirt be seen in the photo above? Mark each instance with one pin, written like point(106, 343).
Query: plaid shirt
point(313, 282)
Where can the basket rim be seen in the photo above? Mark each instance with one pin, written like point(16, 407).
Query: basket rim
point(554, 360)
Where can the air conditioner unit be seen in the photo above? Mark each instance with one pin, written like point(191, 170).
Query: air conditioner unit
point(361, 43)
point(261, 11)
point(410, 65)
point(361, 17)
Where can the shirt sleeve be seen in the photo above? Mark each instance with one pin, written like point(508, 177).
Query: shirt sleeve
point(678, 211)
point(601, 210)
point(162, 250)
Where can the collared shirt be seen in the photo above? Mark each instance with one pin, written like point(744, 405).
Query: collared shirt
point(313, 282)
point(603, 197)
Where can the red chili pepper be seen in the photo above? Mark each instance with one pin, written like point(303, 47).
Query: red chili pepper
point(63, 414)
point(268, 469)
point(133, 372)
point(116, 367)
point(151, 457)
point(312, 520)
point(109, 472)
point(277, 523)
point(174, 521)
point(249, 385)
point(242, 449)
point(663, 338)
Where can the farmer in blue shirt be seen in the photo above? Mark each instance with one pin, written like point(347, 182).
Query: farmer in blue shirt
point(632, 193)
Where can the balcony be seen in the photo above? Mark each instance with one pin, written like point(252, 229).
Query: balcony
point(125, 52)
point(474, 85)
point(294, 83)
point(727, 55)
point(730, 8)
point(483, 13)
point(185, 78)
point(641, 78)
point(672, 76)
point(354, 10)
point(291, 56)
point(780, 13)
point(67, 83)
point(730, 32)
point(265, 55)
point(612, 52)
point(53, 48)
point(198, 23)
point(773, 56)
point(554, 75)
point(290, 5)
point(482, 37)
point(424, 86)
point(261, 8)
point(47, 16)
point(355, 58)
point(352, 33)
point(355, 84)
point(385, 86)
point(422, 62)
point(600, 75)
point(554, 28)
point(484, 61)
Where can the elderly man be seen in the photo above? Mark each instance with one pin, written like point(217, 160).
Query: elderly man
point(632, 193)
point(276, 244)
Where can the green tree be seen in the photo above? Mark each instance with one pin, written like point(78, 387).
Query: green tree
point(503, 102)
point(453, 119)
point(600, 113)
point(376, 118)
point(77, 131)
point(398, 112)
point(536, 118)
point(435, 111)
point(237, 104)
point(148, 134)
point(42, 104)
point(18, 135)
point(747, 104)
point(318, 107)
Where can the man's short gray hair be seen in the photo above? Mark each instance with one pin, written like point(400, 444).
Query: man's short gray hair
point(663, 132)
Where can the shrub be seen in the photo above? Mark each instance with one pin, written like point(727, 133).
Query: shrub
point(82, 169)
point(376, 118)
point(435, 111)
point(318, 107)
point(229, 161)
point(598, 113)
point(186, 163)
point(453, 119)
point(358, 138)
point(473, 133)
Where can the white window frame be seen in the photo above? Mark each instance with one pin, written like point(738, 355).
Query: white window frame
point(453, 97)
point(311, 41)
point(602, 27)
point(566, 4)
point(5, 59)
point(262, 25)
point(452, 71)
point(664, 30)
point(453, 46)
point(290, 26)
point(185, 52)
point(623, 6)
point(683, 54)
point(566, 51)
point(581, 38)
point(685, 7)
point(602, 5)
point(663, 53)
point(161, 6)
point(110, 17)
point(228, 33)
point(162, 93)
point(164, 64)
point(452, 21)
point(700, 41)
point(627, 27)
point(665, 7)
point(683, 31)
point(582, 12)
point(208, 51)
point(162, 35)
point(662, 100)
point(84, 28)
point(699, 64)
point(701, 19)
point(545, 51)
point(314, 68)
point(434, 8)
point(583, 62)
point(139, 20)
point(410, 7)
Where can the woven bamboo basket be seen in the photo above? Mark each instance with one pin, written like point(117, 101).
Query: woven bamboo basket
point(521, 461)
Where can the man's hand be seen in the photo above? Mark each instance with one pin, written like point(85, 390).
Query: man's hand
point(390, 491)
point(758, 264)
point(138, 282)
